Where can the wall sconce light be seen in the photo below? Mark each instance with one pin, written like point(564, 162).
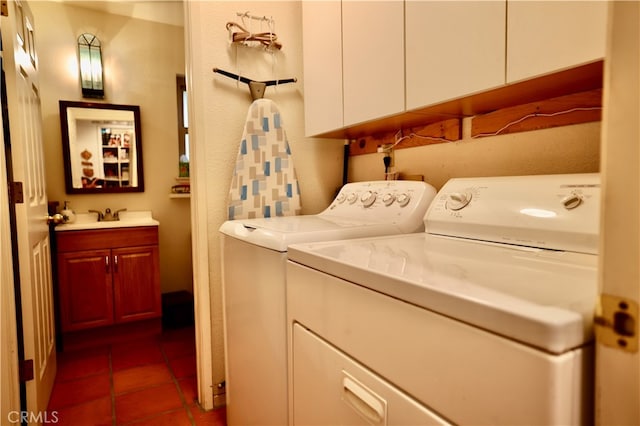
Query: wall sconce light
point(91, 77)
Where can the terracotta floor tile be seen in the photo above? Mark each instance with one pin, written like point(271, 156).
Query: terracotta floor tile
point(93, 413)
point(135, 354)
point(140, 377)
point(144, 403)
point(174, 418)
point(177, 349)
point(82, 363)
point(184, 366)
point(71, 392)
point(216, 417)
point(185, 334)
point(189, 387)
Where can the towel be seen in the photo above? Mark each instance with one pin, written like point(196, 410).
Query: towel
point(264, 182)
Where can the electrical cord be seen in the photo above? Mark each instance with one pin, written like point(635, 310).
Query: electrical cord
point(535, 114)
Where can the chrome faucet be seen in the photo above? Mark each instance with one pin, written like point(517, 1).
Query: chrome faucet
point(107, 216)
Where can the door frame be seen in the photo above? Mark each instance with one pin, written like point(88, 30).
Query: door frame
point(617, 372)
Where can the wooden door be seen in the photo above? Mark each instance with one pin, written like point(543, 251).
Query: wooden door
point(9, 388)
point(86, 289)
point(136, 283)
point(617, 348)
point(25, 125)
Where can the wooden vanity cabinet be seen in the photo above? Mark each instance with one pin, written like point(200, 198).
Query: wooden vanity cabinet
point(108, 277)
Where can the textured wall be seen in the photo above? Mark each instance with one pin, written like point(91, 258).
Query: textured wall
point(219, 107)
point(567, 149)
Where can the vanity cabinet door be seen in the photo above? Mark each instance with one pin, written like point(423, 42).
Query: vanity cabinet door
point(136, 282)
point(86, 292)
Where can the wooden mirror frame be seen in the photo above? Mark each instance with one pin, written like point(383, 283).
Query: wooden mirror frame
point(89, 173)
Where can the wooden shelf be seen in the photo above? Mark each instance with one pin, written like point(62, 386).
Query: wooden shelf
point(186, 195)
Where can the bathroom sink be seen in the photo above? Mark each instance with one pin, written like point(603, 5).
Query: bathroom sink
point(127, 219)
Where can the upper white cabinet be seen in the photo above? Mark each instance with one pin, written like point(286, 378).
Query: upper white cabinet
point(367, 60)
point(373, 59)
point(453, 49)
point(546, 36)
point(322, 61)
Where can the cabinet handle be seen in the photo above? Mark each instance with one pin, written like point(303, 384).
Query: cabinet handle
point(115, 263)
point(106, 263)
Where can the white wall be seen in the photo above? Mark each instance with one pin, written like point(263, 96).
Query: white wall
point(218, 110)
point(141, 60)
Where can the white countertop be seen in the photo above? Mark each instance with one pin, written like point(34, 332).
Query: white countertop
point(127, 219)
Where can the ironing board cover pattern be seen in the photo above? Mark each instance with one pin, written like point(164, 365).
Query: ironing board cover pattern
point(264, 182)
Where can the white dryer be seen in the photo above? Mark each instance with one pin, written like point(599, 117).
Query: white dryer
point(254, 254)
point(486, 318)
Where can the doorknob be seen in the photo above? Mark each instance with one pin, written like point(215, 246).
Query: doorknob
point(55, 219)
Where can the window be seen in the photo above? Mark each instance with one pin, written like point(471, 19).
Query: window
point(183, 117)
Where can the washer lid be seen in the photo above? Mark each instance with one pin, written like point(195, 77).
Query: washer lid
point(540, 297)
point(277, 233)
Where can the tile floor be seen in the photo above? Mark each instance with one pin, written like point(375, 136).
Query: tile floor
point(145, 382)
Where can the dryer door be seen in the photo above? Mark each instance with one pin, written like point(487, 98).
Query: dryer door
point(331, 388)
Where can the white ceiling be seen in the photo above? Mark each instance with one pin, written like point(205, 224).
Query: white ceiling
point(163, 11)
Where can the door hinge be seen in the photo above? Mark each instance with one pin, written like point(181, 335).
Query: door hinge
point(16, 194)
point(4, 8)
point(26, 370)
point(616, 323)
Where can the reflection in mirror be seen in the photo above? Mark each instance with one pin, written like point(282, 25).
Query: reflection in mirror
point(102, 147)
point(183, 120)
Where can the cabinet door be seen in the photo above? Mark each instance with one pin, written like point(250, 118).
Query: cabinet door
point(453, 49)
point(136, 281)
point(86, 293)
point(546, 36)
point(373, 59)
point(322, 61)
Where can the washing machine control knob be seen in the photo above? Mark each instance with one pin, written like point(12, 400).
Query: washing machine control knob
point(368, 198)
point(351, 198)
point(403, 199)
point(340, 198)
point(388, 199)
point(572, 201)
point(458, 200)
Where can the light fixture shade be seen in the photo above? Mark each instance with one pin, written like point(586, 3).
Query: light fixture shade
point(90, 56)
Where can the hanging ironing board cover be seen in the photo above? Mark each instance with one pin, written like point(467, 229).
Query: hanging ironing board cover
point(264, 181)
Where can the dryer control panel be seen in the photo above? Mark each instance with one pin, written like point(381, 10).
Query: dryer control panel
point(559, 212)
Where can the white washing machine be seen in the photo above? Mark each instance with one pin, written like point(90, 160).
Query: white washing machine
point(485, 318)
point(254, 265)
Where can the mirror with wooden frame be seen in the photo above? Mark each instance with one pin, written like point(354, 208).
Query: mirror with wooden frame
point(102, 147)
